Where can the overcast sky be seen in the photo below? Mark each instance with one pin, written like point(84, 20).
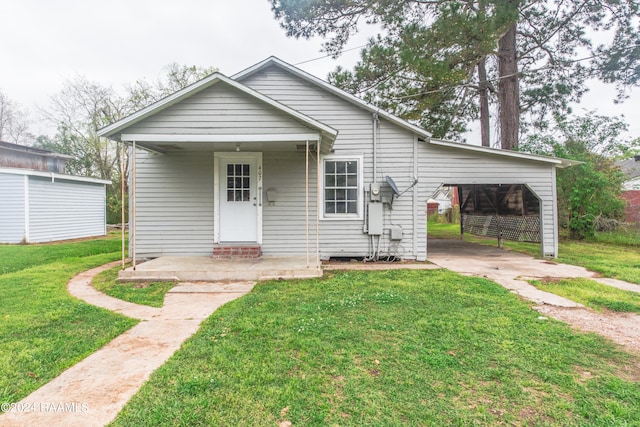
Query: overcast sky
point(45, 42)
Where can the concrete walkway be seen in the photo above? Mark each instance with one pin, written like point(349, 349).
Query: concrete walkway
point(92, 392)
point(511, 269)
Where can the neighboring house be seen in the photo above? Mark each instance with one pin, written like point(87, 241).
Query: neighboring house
point(38, 203)
point(275, 161)
point(443, 197)
point(631, 193)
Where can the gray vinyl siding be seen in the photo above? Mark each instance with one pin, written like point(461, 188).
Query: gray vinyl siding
point(174, 204)
point(11, 208)
point(219, 110)
point(442, 165)
point(284, 221)
point(63, 209)
point(395, 158)
point(175, 192)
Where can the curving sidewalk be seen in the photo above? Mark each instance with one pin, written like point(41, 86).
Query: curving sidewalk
point(92, 392)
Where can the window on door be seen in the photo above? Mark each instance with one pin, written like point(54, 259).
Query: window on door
point(238, 182)
point(342, 188)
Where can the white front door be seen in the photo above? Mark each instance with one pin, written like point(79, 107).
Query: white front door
point(238, 196)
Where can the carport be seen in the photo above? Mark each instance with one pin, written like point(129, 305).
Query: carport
point(503, 211)
point(504, 194)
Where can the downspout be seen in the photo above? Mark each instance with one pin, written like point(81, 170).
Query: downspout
point(306, 196)
point(132, 220)
point(374, 123)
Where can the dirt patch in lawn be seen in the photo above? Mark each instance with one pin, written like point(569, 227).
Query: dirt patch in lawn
point(621, 328)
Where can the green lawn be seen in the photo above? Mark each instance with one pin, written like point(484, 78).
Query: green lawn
point(618, 261)
point(151, 294)
point(43, 329)
point(394, 347)
point(592, 294)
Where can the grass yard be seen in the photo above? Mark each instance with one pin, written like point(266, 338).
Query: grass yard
point(396, 347)
point(617, 259)
point(44, 330)
point(592, 294)
point(151, 294)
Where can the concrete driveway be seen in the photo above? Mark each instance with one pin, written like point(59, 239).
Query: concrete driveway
point(509, 269)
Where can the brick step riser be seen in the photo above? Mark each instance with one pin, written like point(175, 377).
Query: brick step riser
point(236, 252)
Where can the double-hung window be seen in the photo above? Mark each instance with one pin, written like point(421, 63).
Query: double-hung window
point(342, 187)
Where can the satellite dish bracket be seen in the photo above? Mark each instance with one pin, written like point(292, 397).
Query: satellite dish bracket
point(394, 187)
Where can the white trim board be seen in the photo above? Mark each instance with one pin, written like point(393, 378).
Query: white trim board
point(160, 138)
point(54, 176)
point(216, 190)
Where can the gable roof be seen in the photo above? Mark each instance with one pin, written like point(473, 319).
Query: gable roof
point(215, 78)
point(421, 133)
point(330, 88)
point(32, 150)
point(559, 162)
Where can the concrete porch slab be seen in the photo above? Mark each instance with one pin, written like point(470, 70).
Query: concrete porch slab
point(198, 269)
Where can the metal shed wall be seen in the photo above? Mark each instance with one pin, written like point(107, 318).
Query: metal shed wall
point(12, 207)
point(64, 209)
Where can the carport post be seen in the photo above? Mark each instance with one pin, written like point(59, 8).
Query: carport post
point(122, 216)
point(132, 220)
point(306, 196)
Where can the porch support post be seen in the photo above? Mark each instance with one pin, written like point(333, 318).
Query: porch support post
point(306, 195)
point(318, 195)
point(132, 220)
point(122, 216)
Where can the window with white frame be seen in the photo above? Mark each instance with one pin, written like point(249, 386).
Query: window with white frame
point(341, 180)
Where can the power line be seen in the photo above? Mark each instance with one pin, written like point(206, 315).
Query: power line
point(498, 79)
point(327, 56)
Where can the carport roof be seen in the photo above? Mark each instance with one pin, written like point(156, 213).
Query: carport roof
point(557, 161)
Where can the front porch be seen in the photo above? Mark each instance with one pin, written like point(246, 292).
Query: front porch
point(201, 268)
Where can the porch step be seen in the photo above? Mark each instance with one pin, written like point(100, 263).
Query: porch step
point(236, 252)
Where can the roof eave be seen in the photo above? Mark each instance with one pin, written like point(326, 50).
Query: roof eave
point(556, 161)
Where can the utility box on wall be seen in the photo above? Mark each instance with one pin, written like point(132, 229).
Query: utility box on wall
point(375, 192)
point(395, 233)
point(375, 218)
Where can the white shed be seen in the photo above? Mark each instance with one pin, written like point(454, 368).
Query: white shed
point(46, 206)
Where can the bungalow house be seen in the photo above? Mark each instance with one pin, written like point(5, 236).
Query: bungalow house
point(40, 203)
point(274, 161)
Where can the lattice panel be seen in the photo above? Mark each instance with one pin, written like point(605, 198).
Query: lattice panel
point(517, 228)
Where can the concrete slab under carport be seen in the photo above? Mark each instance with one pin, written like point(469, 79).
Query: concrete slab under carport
point(507, 268)
point(202, 268)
